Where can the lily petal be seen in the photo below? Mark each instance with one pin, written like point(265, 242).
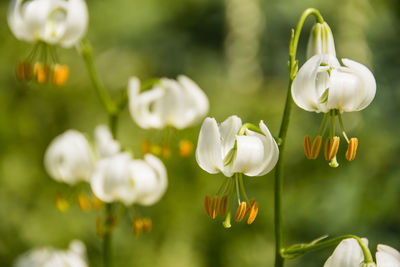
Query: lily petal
point(249, 155)
point(228, 130)
point(209, 147)
point(76, 22)
point(347, 254)
point(105, 145)
point(387, 256)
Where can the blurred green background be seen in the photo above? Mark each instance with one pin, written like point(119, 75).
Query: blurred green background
point(237, 52)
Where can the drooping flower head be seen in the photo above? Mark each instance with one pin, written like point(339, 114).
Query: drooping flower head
point(47, 23)
point(74, 256)
point(234, 149)
point(323, 85)
point(349, 254)
point(177, 103)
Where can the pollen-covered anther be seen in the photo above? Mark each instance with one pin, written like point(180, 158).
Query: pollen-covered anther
point(253, 213)
point(41, 73)
point(60, 74)
point(185, 148)
point(316, 147)
point(223, 204)
point(84, 202)
point(137, 226)
point(241, 211)
point(331, 147)
point(145, 147)
point(214, 207)
point(352, 149)
point(207, 205)
point(307, 147)
point(24, 71)
point(251, 202)
point(147, 225)
point(61, 203)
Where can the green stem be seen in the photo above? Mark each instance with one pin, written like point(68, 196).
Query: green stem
point(107, 237)
point(293, 67)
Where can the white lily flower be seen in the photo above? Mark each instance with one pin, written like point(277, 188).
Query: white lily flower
point(120, 178)
point(179, 103)
point(321, 41)
point(221, 149)
point(62, 22)
point(323, 85)
point(75, 256)
point(387, 256)
point(69, 158)
point(105, 144)
point(233, 148)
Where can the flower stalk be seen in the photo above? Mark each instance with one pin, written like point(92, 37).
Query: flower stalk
point(293, 68)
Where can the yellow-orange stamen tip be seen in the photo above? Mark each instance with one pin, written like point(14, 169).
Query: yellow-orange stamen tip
point(147, 225)
point(249, 206)
point(307, 147)
point(24, 71)
point(185, 148)
point(352, 149)
point(331, 147)
point(137, 226)
point(241, 211)
point(155, 150)
point(207, 205)
point(316, 147)
point(97, 203)
point(41, 73)
point(84, 202)
point(166, 151)
point(214, 207)
point(253, 213)
point(61, 203)
point(223, 205)
point(60, 74)
point(145, 146)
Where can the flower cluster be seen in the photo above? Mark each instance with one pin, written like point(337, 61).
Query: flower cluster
point(234, 149)
point(74, 256)
point(324, 85)
point(113, 174)
point(47, 23)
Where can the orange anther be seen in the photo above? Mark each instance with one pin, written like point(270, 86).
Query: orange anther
point(147, 225)
point(250, 204)
point(223, 205)
point(61, 203)
point(241, 211)
point(60, 74)
point(307, 147)
point(352, 149)
point(97, 203)
point(24, 71)
point(145, 146)
point(316, 147)
point(166, 151)
point(137, 226)
point(185, 148)
point(253, 213)
point(84, 202)
point(207, 205)
point(214, 207)
point(155, 150)
point(41, 73)
point(331, 147)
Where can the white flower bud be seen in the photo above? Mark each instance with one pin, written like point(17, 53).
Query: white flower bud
point(321, 41)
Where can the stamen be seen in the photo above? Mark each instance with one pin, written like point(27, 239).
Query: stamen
point(227, 222)
point(241, 211)
point(147, 225)
point(137, 226)
point(61, 203)
point(223, 205)
point(145, 147)
point(307, 147)
point(207, 205)
point(316, 147)
point(97, 203)
point(41, 73)
point(185, 148)
point(250, 204)
point(24, 71)
point(166, 151)
point(352, 149)
point(60, 74)
point(99, 227)
point(214, 207)
point(331, 147)
point(84, 202)
point(253, 213)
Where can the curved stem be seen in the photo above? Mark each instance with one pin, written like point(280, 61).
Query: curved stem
point(293, 67)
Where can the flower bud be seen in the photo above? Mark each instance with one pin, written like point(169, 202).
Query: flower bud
point(321, 41)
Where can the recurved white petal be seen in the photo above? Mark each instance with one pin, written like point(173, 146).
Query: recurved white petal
point(75, 23)
point(249, 154)
point(366, 83)
point(105, 145)
point(209, 148)
point(228, 129)
point(16, 22)
point(387, 256)
point(343, 90)
point(156, 185)
point(347, 254)
point(304, 87)
point(271, 152)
